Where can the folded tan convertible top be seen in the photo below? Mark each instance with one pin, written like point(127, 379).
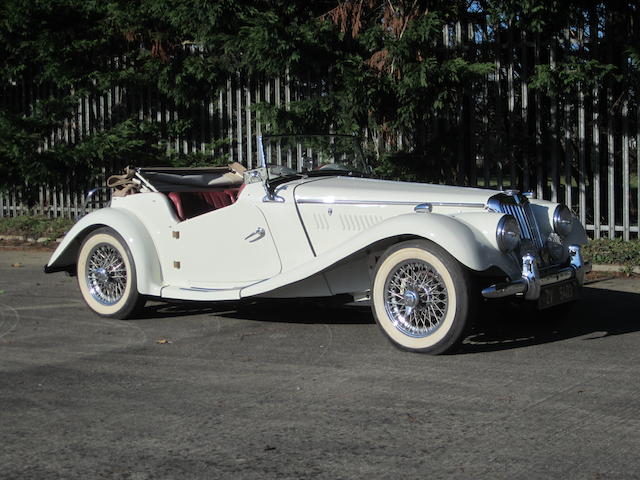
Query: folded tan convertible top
point(172, 179)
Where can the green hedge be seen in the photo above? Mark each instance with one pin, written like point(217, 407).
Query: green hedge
point(35, 226)
point(616, 251)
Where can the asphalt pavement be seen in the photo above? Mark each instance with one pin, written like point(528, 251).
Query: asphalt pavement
point(296, 390)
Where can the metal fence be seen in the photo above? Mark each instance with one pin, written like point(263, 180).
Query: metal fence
point(581, 147)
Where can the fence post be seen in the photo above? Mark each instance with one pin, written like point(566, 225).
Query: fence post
point(625, 171)
point(611, 192)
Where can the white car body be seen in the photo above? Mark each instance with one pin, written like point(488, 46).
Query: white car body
point(342, 216)
point(318, 236)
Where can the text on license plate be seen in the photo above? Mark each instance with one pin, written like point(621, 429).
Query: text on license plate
point(552, 295)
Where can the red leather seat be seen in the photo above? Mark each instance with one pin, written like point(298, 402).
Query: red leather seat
point(215, 199)
point(192, 204)
point(234, 193)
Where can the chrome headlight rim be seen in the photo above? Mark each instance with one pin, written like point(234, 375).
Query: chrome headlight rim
point(508, 233)
point(562, 220)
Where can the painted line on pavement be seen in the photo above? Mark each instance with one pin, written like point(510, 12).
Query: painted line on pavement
point(45, 307)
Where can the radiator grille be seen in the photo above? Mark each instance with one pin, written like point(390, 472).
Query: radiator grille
point(519, 206)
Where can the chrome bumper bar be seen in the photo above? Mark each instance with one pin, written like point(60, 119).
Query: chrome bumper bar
point(531, 282)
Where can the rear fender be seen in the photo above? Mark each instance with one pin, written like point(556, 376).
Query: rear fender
point(133, 232)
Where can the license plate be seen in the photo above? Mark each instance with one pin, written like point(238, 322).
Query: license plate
point(552, 295)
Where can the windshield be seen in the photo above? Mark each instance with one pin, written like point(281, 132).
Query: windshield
point(313, 155)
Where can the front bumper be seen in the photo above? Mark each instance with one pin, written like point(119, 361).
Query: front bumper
point(532, 281)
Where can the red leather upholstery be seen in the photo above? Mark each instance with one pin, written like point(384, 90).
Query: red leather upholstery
point(215, 199)
point(234, 193)
point(177, 204)
point(192, 204)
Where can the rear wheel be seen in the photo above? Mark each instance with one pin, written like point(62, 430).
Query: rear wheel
point(421, 297)
point(107, 275)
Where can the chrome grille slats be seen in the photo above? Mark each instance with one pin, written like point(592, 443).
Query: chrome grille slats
point(516, 211)
point(533, 224)
point(519, 206)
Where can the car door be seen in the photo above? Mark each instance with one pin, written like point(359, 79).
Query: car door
point(227, 248)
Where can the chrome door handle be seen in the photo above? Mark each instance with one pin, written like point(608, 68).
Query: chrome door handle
point(258, 234)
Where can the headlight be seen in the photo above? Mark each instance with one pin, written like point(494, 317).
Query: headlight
point(562, 220)
point(508, 233)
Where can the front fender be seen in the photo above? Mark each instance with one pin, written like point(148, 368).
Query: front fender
point(468, 237)
point(134, 233)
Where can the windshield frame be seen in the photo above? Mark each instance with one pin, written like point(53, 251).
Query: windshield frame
point(360, 161)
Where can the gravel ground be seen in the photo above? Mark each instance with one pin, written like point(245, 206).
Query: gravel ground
point(296, 390)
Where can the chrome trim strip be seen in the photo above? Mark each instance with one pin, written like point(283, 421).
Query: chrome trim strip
point(203, 289)
point(457, 204)
point(330, 201)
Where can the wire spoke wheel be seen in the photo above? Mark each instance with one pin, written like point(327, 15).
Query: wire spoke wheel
point(416, 298)
point(106, 274)
point(420, 297)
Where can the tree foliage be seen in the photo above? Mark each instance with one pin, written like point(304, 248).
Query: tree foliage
point(378, 66)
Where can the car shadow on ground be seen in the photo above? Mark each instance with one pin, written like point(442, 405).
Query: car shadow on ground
point(169, 309)
point(303, 311)
point(600, 313)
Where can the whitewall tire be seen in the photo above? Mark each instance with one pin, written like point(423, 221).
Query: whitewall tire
point(107, 275)
point(421, 297)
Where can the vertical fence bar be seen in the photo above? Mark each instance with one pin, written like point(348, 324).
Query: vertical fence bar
point(462, 170)
point(287, 105)
point(511, 105)
point(486, 171)
point(499, 120)
point(553, 127)
point(239, 118)
point(210, 130)
point(595, 157)
point(13, 203)
point(206, 115)
point(54, 194)
point(276, 92)
point(568, 154)
point(582, 144)
point(582, 164)
point(221, 133)
point(638, 166)
point(625, 171)
point(611, 192)
point(444, 171)
point(258, 92)
point(472, 151)
point(247, 92)
point(540, 180)
point(524, 109)
point(229, 120)
point(267, 99)
point(568, 150)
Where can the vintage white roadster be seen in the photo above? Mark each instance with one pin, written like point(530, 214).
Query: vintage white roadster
point(422, 254)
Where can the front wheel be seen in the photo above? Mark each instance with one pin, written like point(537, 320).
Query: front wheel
point(421, 297)
point(107, 275)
